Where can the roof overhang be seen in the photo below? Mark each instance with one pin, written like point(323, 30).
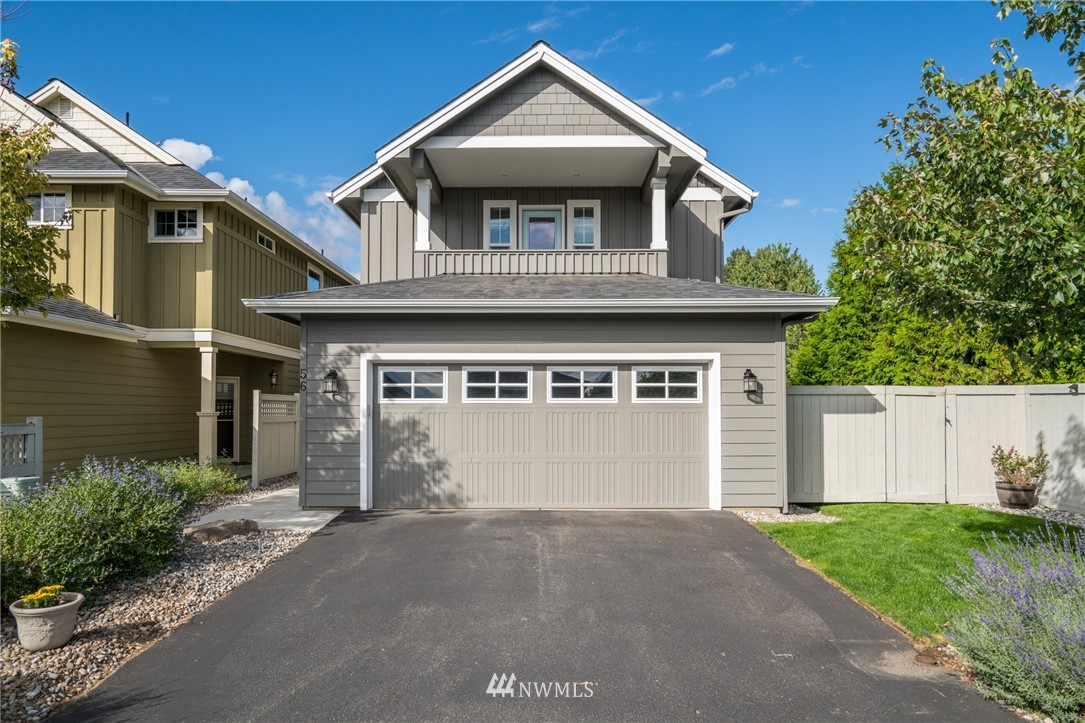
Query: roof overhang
point(788, 308)
point(58, 322)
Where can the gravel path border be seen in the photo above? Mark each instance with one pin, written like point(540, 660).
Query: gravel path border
point(131, 616)
point(1044, 513)
point(796, 513)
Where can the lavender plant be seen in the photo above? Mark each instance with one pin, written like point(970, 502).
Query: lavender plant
point(1023, 630)
point(105, 520)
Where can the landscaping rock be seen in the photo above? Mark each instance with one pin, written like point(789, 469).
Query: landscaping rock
point(795, 513)
point(221, 530)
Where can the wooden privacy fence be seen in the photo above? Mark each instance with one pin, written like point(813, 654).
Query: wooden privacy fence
point(930, 444)
point(274, 435)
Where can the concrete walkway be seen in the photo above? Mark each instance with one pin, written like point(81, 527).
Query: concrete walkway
point(277, 511)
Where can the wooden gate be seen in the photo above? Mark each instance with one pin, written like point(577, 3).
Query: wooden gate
point(274, 435)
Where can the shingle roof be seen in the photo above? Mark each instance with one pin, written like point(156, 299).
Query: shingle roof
point(171, 178)
point(587, 287)
point(67, 160)
point(72, 308)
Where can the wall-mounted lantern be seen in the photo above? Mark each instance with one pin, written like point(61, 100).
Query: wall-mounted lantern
point(331, 383)
point(749, 382)
point(274, 377)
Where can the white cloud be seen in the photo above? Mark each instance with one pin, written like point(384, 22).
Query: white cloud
point(189, 153)
point(649, 100)
point(320, 224)
point(296, 178)
point(824, 209)
point(722, 84)
point(790, 203)
point(605, 46)
point(722, 50)
point(800, 61)
point(555, 17)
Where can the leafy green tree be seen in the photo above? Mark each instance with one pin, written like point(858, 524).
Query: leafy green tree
point(776, 266)
point(28, 254)
point(982, 220)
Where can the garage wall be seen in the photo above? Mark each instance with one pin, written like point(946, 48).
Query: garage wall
point(752, 428)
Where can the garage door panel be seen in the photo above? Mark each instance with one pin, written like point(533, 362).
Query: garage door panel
point(495, 431)
point(661, 431)
point(581, 432)
point(495, 483)
point(582, 483)
point(663, 483)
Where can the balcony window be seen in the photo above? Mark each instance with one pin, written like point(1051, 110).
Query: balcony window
point(509, 227)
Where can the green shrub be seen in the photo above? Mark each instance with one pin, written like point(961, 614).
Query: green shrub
point(101, 522)
point(1023, 631)
point(195, 481)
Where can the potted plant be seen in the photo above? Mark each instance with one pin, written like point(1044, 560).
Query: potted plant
point(1019, 477)
point(46, 618)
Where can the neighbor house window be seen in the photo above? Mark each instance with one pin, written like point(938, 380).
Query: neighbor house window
point(265, 241)
point(663, 384)
point(499, 225)
point(182, 224)
point(581, 384)
point(316, 279)
point(406, 384)
point(492, 384)
point(48, 209)
point(583, 224)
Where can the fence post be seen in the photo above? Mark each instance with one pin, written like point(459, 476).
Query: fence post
point(39, 446)
point(254, 481)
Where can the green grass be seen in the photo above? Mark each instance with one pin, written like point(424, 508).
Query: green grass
point(894, 557)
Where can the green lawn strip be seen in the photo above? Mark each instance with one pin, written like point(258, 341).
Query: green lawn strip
point(894, 557)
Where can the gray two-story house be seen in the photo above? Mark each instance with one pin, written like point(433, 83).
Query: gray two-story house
point(542, 322)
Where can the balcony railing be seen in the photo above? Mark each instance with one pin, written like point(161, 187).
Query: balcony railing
point(558, 263)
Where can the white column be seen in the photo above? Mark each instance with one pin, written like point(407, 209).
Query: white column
point(421, 214)
point(207, 415)
point(659, 213)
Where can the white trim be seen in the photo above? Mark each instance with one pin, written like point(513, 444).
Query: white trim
point(665, 400)
point(489, 142)
point(514, 223)
point(152, 228)
point(53, 190)
point(412, 370)
point(659, 214)
point(497, 385)
point(596, 206)
point(310, 269)
point(237, 414)
point(355, 183)
point(33, 317)
point(59, 87)
point(261, 235)
point(39, 117)
point(715, 410)
point(381, 195)
point(701, 194)
point(423, 194)
point(550, 399)
point(198, 336)
point(519, 306)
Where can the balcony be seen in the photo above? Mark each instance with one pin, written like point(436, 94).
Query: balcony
point(560, 263)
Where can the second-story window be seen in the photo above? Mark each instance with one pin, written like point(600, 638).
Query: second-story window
point(499, 225)
point(316, 279)
point(574, 226)
point(265, 241)
point(49, 209)
point(583, 224)
point(178, 223)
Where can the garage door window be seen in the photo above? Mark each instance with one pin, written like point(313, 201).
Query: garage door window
point(492, 384)
point(403, 384)
point(666, 384)
point(589, 384)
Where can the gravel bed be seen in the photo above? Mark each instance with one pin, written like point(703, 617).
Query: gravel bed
point(796, 513)
point(266, 487)
point(128, 618)
point(1043, 513)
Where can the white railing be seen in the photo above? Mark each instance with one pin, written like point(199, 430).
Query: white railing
point(21, 454)
point(557, 263)
point(929, 444)
point(275, 442)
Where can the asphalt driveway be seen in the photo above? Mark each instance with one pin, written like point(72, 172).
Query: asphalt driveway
point(658, 616)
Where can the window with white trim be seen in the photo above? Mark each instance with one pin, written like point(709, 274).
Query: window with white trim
point(496, 384)
point(666, 384)
point(266, 241)
point(180, 223)
point(49, 209)
point(583, 230)
point(315, 279)
point(413, 384)
point(584, 384)
point(499, 225)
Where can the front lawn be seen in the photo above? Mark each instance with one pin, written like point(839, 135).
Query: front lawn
point(895, 557)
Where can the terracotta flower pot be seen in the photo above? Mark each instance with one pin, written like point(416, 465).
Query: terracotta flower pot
point(47, 628)
point(1019, 497)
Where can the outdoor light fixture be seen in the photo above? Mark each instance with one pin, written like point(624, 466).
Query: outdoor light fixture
point(749, 382)
point(274, 377)
point(331, 383)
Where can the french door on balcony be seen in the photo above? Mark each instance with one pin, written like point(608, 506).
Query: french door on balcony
point(540, 229)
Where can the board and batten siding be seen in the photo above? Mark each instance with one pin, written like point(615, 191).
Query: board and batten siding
point(179, 284)
point(130, 224)
point(89, 269)
point(387, 228)
point(99, 396)
point(752, 459)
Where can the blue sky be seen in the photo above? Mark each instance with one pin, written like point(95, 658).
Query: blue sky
point(290, 98)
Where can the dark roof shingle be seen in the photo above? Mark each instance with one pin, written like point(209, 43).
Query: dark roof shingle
point(173, 178)
point(72, 308)
point(69, 160)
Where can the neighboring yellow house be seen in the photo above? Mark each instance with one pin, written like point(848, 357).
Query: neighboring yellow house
point(153, 355)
